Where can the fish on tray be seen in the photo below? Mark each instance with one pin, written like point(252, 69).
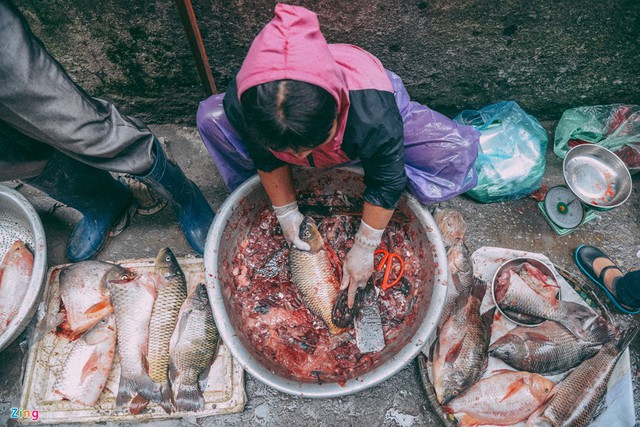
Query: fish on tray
point(133, 302)
point(85, 295)
point(314, 276)
point(549, 348)
point(15, 275)
point(537, 297)
point(459, 354)
point(579, 397)
point(193, 346)
point(88, 365)
point(505, 398)
point(171, 294)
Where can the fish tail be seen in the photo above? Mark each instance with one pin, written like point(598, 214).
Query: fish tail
point(626, 337)
point(166, 399)
point(574, 317)
point(189, 398)
point(142, 385)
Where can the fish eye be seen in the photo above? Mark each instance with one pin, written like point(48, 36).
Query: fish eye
point(455, 393)
point(167, 258)
point(546, 390)
point(123, 277)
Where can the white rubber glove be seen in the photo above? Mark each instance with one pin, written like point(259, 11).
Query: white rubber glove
point(290, 218)
point(358, 266)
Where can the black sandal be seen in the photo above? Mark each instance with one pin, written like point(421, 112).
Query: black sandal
point(584, 257)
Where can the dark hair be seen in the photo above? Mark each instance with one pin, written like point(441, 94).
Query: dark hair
point(288, 114)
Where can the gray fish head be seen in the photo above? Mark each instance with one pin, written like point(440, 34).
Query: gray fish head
point(119, 274)
point(509, 348)
point(453, 387)
point(166, 264)
point(199, 297)
point(310, 234)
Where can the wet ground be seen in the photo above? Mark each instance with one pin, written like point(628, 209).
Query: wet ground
point(399, 401)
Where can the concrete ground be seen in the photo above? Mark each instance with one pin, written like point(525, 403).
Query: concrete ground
point(400, 401)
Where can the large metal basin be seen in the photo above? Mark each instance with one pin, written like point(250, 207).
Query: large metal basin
point(19, 221)
point(232, 225)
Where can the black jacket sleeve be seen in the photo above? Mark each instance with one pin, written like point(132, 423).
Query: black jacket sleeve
point(374, 133)
point(263, 159)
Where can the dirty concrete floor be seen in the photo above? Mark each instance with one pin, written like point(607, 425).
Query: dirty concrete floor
point(399, 400)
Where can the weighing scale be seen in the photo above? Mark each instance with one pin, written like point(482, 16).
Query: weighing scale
point(564, 211)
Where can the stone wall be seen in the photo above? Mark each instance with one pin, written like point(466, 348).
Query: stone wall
point(452, 54)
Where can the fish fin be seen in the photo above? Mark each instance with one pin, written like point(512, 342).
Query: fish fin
point(454, 351)
point(467, 420)
point(599, 409)
point(138, 404)
point(90, 367)
point(479, 288)
point(487, 318)
point(514, 388)
point(625, 338)
point(189, 398)
point(538, 337)
point(98, 307)
point(166, 398)
point(576, 316)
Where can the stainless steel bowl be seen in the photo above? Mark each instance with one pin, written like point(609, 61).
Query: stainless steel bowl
point(232, 225)
point(515, 262)
point(19, 221)
point(597, 176)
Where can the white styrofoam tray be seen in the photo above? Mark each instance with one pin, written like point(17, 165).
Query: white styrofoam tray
point(223, 394)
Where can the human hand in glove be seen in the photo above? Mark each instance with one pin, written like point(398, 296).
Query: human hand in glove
point(290, 218)
point(358, 265)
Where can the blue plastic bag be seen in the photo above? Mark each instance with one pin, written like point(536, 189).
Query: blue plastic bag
point(511, 157)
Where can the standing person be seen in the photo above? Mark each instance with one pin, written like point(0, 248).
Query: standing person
point(298, 100)
point(57, 138)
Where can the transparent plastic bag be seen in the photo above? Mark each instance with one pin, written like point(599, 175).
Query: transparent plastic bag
point(615, 126)
point(511, 156)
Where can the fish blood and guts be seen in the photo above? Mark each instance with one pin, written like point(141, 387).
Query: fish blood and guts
point(165, 334)
point(570, 338)
point(289, 302)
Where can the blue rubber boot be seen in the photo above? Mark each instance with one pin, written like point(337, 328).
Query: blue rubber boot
point(194, 213)
point(105, 204)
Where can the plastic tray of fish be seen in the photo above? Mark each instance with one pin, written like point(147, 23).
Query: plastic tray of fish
point(618, 407)
point(224, 391)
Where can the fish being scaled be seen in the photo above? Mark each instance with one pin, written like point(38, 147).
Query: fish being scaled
point(89, 363)
point(172, 292)
point(85, 295)
point(313, 275)
point(132, 302)
point(549, 348)
point(578, 398)
point(505, 398)
point(15, 275)
point(194, 345)
point(459, 354)
point(534, 298)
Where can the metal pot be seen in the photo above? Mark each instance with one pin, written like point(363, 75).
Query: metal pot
point(19, 221)
point(231, 226)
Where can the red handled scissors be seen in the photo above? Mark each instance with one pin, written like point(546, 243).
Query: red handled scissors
point(387, 262)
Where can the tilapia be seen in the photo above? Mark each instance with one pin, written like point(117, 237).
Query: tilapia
point(15, 275)
point(513, 293)
point(451, 224)
point(460, 277)
point(171, 294)
point(313, 275)
point(579, 396)
point(460, 353)
point(549, 348)
point(88, 365)
point(85, 295)
point(133, 302)
point(193, 346)
point(505, 398)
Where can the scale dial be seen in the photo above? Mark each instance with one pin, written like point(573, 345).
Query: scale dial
point(563, 207)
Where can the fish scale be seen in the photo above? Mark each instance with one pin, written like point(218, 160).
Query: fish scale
point(313, 275)
point(171, 294)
